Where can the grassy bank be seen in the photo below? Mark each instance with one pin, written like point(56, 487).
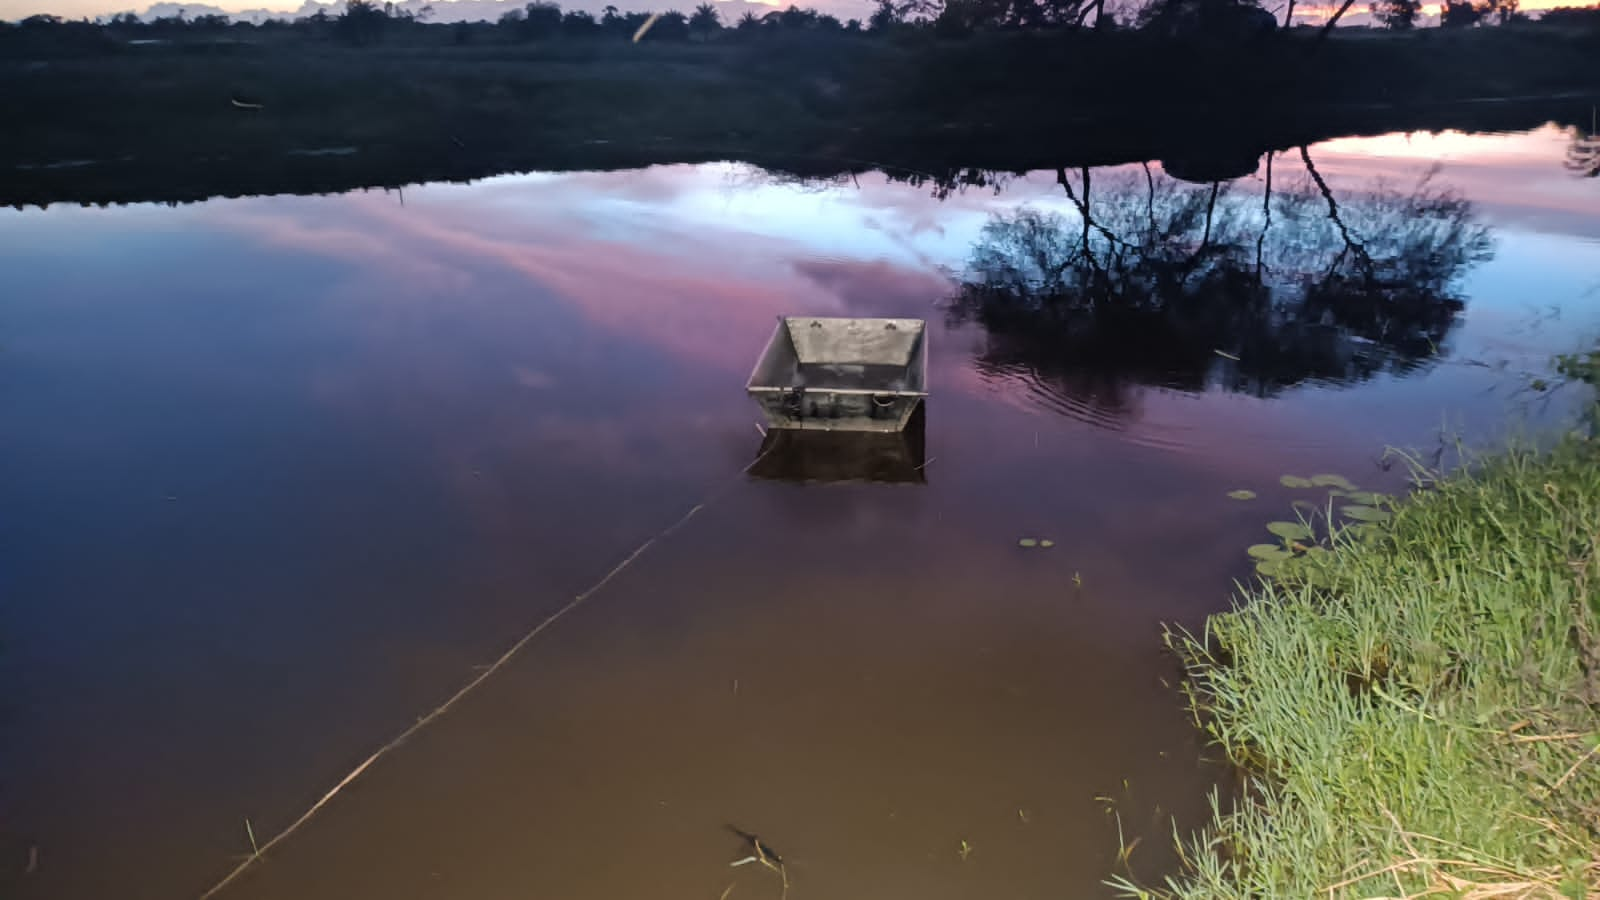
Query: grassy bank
point(1417, 707)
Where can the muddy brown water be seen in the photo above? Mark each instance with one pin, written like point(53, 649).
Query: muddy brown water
point(278, 475)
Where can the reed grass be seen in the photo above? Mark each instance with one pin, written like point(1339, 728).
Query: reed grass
point(1417, 712)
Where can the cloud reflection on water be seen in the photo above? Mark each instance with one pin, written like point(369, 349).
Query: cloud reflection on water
point(696, 261)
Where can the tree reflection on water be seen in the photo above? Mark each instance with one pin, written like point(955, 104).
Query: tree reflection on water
point(1149, 281)
point(1583, 154)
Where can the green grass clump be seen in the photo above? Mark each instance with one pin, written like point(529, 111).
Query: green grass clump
point(1417, 712)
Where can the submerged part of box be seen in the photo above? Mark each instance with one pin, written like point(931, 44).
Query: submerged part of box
point(838, 374)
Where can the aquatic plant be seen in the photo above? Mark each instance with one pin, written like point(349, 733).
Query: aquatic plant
point(1415, 709)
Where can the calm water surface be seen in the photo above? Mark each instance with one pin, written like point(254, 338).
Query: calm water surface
point(277, 475)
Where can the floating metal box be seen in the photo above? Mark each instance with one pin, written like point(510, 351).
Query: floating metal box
point(835, 374)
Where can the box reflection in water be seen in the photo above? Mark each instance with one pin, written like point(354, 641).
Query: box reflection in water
point(896, 457)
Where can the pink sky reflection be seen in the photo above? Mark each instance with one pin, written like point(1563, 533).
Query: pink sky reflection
point(696, 262)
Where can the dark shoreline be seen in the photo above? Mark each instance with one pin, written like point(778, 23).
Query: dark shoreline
point(950, 161)
point(166, 124)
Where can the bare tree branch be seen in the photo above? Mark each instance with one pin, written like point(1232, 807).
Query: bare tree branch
point(1328, 26)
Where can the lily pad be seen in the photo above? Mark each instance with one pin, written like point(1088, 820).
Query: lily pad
point(1365, 513)
point(1242, 495)
point(1028, 542)
point(1047, 543)
point(1289, 531)
point(1333, 481)
point(1306, 506)
point(1366, 498)
point(1267, 552)
point(1295, 481)
point(1271, 568)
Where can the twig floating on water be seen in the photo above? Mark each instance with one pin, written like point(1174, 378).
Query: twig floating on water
point(763, 850)
point(764, 854)
point(1225, 355)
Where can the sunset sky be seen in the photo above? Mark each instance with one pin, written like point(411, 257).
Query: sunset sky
point(19, 9)
point(1318, 11)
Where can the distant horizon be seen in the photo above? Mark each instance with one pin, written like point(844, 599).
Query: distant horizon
point(476, 10)
point(444, 10)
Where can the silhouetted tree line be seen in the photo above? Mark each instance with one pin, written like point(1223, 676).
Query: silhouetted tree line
point(1464, 13)
point(368, 21)
point(360, 22)
point(1152, 281)
point(1587, 16)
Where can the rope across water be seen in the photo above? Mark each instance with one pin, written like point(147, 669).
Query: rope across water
point(481, 677)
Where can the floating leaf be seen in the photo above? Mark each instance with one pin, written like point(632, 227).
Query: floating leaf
point(1295, 481)
point(1289, 531)
point(1047, 543)
point(1333, 481)
point(1306, 506)
point(1365, 513)
point(1242, 495)
point(1267, 551)
point(1270, 568)
point(1028, 542)
point(1366, 498)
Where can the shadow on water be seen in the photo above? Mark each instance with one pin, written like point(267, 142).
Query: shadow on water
point(1153, 282)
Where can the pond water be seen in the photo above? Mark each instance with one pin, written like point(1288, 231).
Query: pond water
point(279, 475)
